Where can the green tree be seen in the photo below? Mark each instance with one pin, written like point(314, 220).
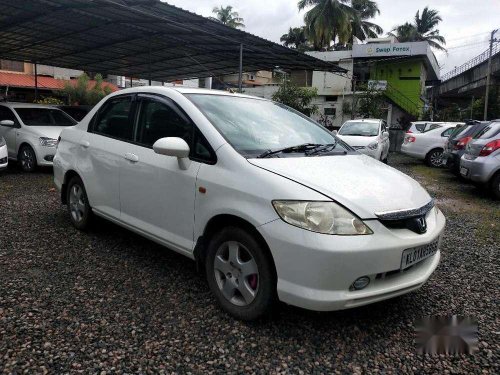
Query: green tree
point(296, 38)
point(370, 102)
point(84, 92)
point(227, 16)
point(298, 98)
point(423, 28)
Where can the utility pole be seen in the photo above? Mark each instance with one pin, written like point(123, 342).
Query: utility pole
point(353, 109)
point(240, 71)
point(488, 75)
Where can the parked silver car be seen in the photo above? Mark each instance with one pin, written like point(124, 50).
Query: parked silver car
point(481, 161)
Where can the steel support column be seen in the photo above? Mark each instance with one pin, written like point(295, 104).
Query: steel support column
point(240, 76)
point(36, 81)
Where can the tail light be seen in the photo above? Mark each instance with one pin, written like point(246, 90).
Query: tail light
point(409, 132)
point(462, 143)
point(490, 148)
point(410, 139)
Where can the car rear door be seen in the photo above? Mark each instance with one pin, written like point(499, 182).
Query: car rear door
point(103, 150)
point(157, 193)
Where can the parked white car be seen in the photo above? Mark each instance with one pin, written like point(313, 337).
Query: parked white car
point(428, 146)
point(423, 126)
point(368, 136)
point(31, 132)
point(295, 215)
point(4, 159)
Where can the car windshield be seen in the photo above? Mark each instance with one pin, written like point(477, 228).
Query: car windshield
point(488, 131)
point(361, 128)
point(44, 117)
point(255, 126)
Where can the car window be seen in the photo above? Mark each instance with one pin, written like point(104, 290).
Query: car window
point(158, 120)
point(7, 114)
point(432, 127)
point(488, 131)
point(62, 119)
point(447, 132)
point(44, 117)
point(420, 127)
point(115, 119)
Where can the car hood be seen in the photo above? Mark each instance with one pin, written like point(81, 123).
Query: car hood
point(355, 140)
point(360, 183)
point(46, 131)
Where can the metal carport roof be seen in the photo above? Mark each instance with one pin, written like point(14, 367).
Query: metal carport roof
point(140, 38)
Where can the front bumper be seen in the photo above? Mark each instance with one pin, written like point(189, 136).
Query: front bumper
point(479, 169)
point(315, 271)
point(368, 152)
point(45, 156)
point(4, 158)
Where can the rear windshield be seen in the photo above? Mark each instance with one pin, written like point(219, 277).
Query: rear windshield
point(459, 130)
point(490, 131)
point(44, 117)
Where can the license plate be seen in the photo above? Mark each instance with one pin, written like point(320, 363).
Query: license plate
point(416, 254)
point(464, 171)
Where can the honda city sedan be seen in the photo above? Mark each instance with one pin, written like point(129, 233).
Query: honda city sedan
point(269, 203)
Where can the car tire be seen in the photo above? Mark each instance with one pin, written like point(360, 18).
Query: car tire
point(27, 159)
point(495, 186)
point(241, 274)
point(433, 158)
point(80, 212)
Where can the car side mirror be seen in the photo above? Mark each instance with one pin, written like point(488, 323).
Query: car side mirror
point(173, 146)
point(385, 134)
point(8, 123)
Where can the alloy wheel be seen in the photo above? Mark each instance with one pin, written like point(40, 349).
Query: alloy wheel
point(236, 273)
point(77, 203)
point(27, 159)
point(436, 159)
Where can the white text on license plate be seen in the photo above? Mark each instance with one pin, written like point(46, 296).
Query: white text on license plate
point(416, 254)
point(464, 171)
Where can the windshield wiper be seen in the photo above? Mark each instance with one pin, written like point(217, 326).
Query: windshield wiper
point(299, 148)
point(321, 149)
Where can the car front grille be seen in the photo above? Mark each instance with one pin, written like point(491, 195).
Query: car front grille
point(358, 147)
point(412, 219)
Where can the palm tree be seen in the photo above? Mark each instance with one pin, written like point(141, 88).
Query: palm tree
point(339, 20)
point(361, 27)
point(327, 21)
point(422, 29)
point(227, 16)
point(296, 38)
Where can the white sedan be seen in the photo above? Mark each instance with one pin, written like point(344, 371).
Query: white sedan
point(428, 146)
point(4, 160)
point(370, 137)
point(296, 215)
point(31, 132)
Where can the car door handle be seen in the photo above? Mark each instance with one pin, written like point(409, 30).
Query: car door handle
point(132, 157)
point(85, 144)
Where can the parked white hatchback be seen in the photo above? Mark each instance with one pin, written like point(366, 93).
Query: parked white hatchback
point(31, 132)
point(272, 204)
point(368, 136)
point(429, 145)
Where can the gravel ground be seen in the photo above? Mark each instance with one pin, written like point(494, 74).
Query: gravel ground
point(109, 301)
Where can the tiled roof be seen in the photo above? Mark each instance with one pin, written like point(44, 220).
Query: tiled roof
point(49, 83)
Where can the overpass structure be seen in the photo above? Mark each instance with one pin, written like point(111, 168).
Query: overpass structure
point(469, 79)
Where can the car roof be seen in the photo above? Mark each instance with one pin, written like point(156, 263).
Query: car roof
point(25, 105)
point(182, 90)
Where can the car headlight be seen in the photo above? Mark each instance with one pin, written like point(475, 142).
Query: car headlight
point(372, 146)
point(48, 142)
point(320, 217)
point(2, 141)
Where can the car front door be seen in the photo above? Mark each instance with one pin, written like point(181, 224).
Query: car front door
point(9, 132)
point(157, 194)
point(102, 151)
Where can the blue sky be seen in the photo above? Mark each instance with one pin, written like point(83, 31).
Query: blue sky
point(466, 23)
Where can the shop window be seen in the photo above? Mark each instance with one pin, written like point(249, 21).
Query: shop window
point(13, 66)
point(330, 111)
point(331, 98)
